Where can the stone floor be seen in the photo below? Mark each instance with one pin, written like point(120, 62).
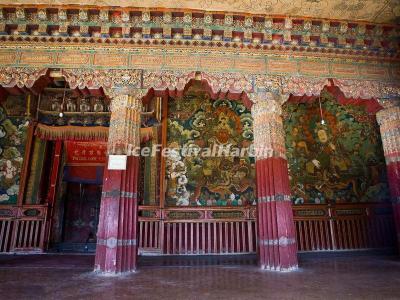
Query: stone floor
point(355, 276)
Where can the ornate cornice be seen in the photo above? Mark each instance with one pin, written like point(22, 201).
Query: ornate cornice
point(35, 24)
point(229, 82)
point(365, 11)
point(367, 89)
point(252, 85)
point(163, 80)
point(92, 79)
point(295, 85)
point(20, 77)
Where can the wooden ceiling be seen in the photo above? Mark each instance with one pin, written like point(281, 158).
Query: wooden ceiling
point(381, 11)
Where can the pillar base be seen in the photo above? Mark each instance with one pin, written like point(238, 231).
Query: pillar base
point(100, 273)
point(279, 269)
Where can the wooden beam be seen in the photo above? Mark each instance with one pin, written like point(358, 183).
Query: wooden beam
point(51, 195)
point(26, 165)
point(164, 123)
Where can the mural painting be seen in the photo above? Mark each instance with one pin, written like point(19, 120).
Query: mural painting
point(13, 129)
point(198, 123)
point(339, 161)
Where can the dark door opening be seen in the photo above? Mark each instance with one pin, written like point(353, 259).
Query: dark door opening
point(81, 217)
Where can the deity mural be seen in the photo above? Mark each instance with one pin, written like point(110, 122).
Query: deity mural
point(339, 161)
point(12, 144)
point(202, 125)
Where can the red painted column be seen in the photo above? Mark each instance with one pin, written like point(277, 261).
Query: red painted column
point(389, 122)
point(276, 231)
point(116, 250)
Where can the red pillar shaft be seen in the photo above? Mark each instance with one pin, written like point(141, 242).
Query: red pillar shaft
point(276, 231)
point(116, 250)
point(277, 241)
point(389, 122)
point(393, 172)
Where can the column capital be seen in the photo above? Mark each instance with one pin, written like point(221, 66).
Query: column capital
point(266, 102)
point(125, 90)
point(124, 101)
point(124, 132)
point(269, 135)
point(390, 111)
point(389, 102)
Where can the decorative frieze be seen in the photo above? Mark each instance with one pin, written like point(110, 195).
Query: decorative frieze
point(20, 77)
point(92, 79)
point(366, 89)
point(262, 26)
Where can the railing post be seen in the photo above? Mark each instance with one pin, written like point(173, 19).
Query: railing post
point(332, 227)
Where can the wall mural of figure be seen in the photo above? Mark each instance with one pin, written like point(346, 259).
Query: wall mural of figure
point(200, 124)
point(13, 130)
point(340, 161)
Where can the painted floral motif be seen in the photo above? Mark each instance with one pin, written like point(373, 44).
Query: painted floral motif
point(286, 85)
point(229, 82)
point(339, 161)
point(21, 77)
point(197, 123)
point(162, 80)
point(81, 78)
point(367, 89)
point(12, 145)
point(300, 86)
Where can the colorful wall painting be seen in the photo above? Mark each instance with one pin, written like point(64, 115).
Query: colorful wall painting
point(341, 161)
point(197, 122)
point(13, 130)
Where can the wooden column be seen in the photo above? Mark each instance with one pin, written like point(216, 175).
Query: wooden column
point(52, 192)
point(116, 250)
point(26, 164)
point(276, 232)
point(389, 122)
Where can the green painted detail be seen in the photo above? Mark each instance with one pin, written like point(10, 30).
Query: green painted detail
point(349, 212)
point(13, 131)
point(341, 161)
point(227, 214)
point(197, 124)
point(310, 213)
point(6, 213)
point(148, 213)
point(32, 212)
point(183, 215)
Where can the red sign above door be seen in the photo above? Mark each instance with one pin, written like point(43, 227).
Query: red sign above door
point(86, 153)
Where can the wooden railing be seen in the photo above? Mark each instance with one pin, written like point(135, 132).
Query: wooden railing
point(22, 228)
point(197, 230)
point(344, 226)
point(319, 227)
point(221, 230)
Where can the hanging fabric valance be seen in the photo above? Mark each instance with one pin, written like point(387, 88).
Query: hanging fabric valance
point(81, 133)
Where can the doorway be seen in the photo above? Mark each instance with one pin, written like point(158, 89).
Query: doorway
point(81, 217)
